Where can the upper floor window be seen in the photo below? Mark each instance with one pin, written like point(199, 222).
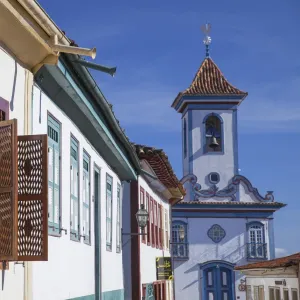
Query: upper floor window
point(256, 241)
point(179, 239)
point(86, 199)
point(109, 183)
point(118, 227)
point(213, 133)
point(54, 146)
point(74, 222)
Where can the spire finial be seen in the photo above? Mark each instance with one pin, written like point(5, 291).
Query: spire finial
point(207, 39)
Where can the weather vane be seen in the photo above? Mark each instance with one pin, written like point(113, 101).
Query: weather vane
point(207, 39)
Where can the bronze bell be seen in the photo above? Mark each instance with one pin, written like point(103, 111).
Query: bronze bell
point(213, 143)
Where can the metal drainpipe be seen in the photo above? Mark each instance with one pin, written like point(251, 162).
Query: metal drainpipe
point(28, 94)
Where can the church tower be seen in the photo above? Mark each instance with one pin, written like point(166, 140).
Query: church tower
point(223, 221)
point(209, 126)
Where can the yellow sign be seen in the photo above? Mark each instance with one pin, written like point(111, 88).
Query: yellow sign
point(164, 268)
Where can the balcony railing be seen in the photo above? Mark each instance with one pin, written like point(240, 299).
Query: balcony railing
point(180, 250)
point(256, 251)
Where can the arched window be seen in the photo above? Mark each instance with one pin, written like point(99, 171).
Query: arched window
point(256, 240)
point(184, 139)
point(213, 133)
point(179, 239)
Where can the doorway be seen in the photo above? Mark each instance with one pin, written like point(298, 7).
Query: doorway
point(217, 281)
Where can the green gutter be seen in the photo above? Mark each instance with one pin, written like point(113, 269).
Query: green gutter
point(83, 75)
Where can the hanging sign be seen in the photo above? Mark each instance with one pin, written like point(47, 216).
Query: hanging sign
point(164, 268)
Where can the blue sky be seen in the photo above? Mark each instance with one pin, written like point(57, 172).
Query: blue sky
point(157, 47)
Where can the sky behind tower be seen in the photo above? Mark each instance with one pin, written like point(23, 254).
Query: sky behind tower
point(157, 47)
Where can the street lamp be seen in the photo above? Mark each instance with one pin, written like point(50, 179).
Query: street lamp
point(142, 217)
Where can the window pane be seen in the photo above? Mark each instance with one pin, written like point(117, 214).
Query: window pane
point(277, 294)
point(294, 294)
point(224, 278)
point(255, 292)
point(248, 292)
point(271, 294)
point(210, 296)
point(225, 296)
point(209, 278)
point(286, 294)
point(261, 293)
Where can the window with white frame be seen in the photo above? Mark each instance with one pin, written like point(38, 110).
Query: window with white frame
point(54, 148)
point(74, 186)
point(256, 247)
point(179, 239)
point(118, 225)
point(109, 184)
point(86, 230)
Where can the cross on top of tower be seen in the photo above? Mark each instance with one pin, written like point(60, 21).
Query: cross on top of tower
point(207, 39)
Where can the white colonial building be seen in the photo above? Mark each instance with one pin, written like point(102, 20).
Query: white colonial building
point(223, 221)
point(274, 279)
point(148, 269)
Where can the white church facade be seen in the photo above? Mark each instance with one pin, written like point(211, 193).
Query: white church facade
point(223, 221)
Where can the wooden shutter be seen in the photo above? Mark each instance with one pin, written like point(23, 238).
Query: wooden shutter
point(32, 198)
point(148, 223)
point(86, 197)
point(74, 222)
point(8, 190)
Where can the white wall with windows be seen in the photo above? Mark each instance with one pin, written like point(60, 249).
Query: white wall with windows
point(267, 287)
point(70, 270)
point(156, 242)
point(237, 241)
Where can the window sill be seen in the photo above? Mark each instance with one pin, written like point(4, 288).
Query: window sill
point(54, 233)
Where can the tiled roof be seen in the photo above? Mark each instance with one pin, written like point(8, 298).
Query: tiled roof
point(159, 162)
point(281, 262)
point(233, 203)
point(209, 81)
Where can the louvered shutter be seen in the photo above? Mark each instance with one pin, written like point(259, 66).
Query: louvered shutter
point(32, 198)
point(8, 190)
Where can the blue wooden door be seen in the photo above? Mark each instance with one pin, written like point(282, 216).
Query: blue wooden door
point(217, 283)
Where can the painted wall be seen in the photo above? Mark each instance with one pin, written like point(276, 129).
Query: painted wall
point(203, 163)
point(69, 272)
point(266, 282)
point(12, 94)
point(148, 253)
point(202, 249)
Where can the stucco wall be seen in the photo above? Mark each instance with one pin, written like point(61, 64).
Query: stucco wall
point(266, 282)
point(224, 164)
point(202, 249)
point(148, 253)
point(69, 272)
point(12, 90)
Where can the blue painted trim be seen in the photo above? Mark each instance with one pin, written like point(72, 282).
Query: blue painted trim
point(224, 206)
point(205, 152)
point(67, 75)
point(190, 149)
point(258, 223)
point(205, 214)
point(211, 235)
point(208, 98)
point(235, 143)
point(213, 263)
point(271, 239)
point(211, 106)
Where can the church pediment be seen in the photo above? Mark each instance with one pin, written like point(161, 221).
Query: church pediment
point(238, 184)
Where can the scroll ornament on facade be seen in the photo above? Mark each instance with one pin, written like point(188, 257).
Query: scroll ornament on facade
point(228, 192)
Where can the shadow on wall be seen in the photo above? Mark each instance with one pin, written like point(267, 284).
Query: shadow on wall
point(236, 256)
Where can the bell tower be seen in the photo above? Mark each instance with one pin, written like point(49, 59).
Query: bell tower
point(209, 125)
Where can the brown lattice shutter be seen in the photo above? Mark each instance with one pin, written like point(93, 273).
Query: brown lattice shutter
point(8, 190)
point(33, 198)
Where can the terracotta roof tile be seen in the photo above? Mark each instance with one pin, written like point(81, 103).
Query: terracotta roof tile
point(281, 262)
point(209, 81)
point(159, 162)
